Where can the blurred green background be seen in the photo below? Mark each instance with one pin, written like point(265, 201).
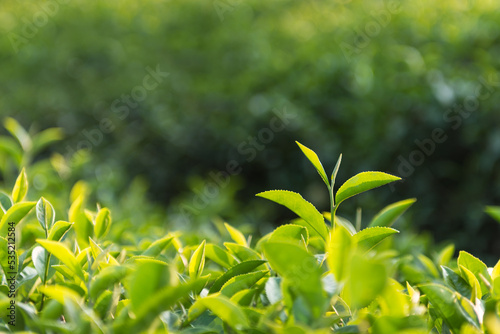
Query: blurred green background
point(406, 87)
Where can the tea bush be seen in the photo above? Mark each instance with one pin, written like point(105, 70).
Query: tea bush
point(373, 78)
point(72, 273)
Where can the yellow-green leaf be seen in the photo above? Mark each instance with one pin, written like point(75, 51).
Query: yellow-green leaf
point(20, 187)
point(16, 212)
point(238, 269)
point(102, 223)
point(158, 246)
point(362, 182)
point(236, 235)
point(313, 158)
point(388, 215)
point(59, 229)
point(45, 213)
point(339, 252)
point(197, 262)
point(220, 256)
point(240, 282)
point(477, 267)
point(370, 237)
point(296, 203)
point(222, 307)
point(61, 293)
point(64, 255)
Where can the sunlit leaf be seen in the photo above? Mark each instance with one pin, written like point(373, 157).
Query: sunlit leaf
point(220, 256)
point(340, 250)
point(197, 262)
point(236, 235)
point(477, 267)
point(240, 282)
point(388, 215)
point(20, 187)
point(313, 158)
point(223, 308)
point(301, 207)
point(58, 230)
point(64, 255)
point(370, 237)
point(17, 212)
point(238, 269)
point(45, 214)
point(102, 223)
point(362, 182)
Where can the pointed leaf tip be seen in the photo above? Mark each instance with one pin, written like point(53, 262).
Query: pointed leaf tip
point(313, 158)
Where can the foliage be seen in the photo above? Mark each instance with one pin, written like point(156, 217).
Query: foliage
point(315, 275)
point(378, 96)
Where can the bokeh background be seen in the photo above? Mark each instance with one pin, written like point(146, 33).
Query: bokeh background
point(157, 99)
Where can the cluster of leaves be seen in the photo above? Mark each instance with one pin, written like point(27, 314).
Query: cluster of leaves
point(314, 275)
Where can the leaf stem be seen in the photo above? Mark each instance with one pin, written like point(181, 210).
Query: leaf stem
point(46, 272)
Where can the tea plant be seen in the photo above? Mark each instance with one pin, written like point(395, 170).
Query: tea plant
point(318, 274)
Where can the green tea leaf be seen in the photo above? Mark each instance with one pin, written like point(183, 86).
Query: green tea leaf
point(59, 229)
point(290, 232)
point(81, 225)
point(448, 306)
point(17, 212)
point(162, 301)
point(197, 262)
point(477, 267)
point(240, 282)
point(334, 174)
point(496, 271)
point(273, 290)
point(243, 297)
point(391, 213)
point(456, 282)
point(236, 235)
point(238, 269)
point(11, 147)
point(429, 266)
point(4, 256)
point(445, 255)
point(20, 187)
point(340, 249)
point(220, 256)
point(106, 278)
point(45, 213)
point(64, 255)
point(41, 261)
point(45, 138)
point(370, 237)
point(241, 252)
point(473, 283)
point(313, 158)
point(158, 246)
point(362, 182)
point(5, 203)
point(368, 278)
point(302, 272)
point(102, 223)
point(148, 279)
point(223, 308)
point(301, 207)
point(494, 212)
point(61, 293)
point(18, 132)
point(341, 221)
